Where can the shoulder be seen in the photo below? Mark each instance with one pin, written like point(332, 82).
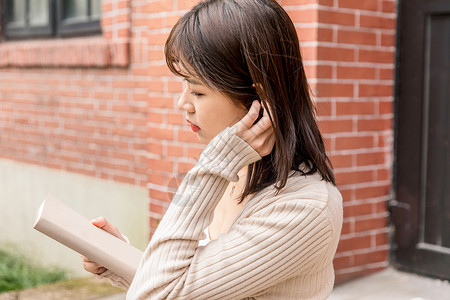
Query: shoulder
point(302, 193)
point(309, 190)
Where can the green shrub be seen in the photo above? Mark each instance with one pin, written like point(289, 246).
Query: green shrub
point(17, 272)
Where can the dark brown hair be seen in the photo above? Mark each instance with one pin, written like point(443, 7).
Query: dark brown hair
point(249, 49)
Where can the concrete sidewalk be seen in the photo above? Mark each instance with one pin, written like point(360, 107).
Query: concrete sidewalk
point(391, 284)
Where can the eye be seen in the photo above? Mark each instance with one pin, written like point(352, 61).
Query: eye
point(196, 94)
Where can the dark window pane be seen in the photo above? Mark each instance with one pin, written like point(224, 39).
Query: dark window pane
point(76, 10)
point(39, 13)
point(18, 13)
point(96, 9)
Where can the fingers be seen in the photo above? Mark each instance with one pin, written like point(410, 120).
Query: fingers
point(91, 266)
point(253, 113)
point(260, 136)
point(102, 223)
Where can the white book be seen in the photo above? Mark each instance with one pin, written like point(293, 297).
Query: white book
point(65, 225)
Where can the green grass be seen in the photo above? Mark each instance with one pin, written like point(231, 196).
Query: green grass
point(17, 272)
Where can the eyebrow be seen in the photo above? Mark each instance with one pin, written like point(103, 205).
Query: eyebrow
point(193, 81)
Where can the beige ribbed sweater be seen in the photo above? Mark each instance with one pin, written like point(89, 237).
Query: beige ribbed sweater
point(279, 246)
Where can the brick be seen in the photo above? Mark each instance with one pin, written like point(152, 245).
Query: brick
point(342, 262)
point(355, 108)
point(354, 142)
point(356, 37)
point(155, 117)
point(382, 239)
point(307, 34)
point(388, 6)
point(375, 90)
point(358, 210)
point(302, 2)
point(302, 15)
point(155, 86)
point(388, 39)
point(354, 177)
point(158, 6)
point(383, 175)
point(173, 150)
point(387, 73)
point(308, 53)
point(372, 192)
point(161, 102)
point(370, 224)
point(376, 56)
point(155, 148)
point(335, 126)
point(382, 206)
point(372, 158)
point(346, 227)
point(324, 71)
point(315, 34)
point(360, 5)
point(176, 119)
point(187, 136)
point(323, 108)
point(347, 193)
point(334, 90)
point(161, 70)
point(124, 179)
point(155, 54)
point(160, 133)
point(194, 152)
point(341, 161)
point(186, 4)
point(345, 72)
point(337, 18)
point(335, 54)
point(184, 167)
point(160, 165)
point(355, 243)
point(374, 124)
point(154, 207)
point(377, 22)
point(175, 86)
point(156, 38)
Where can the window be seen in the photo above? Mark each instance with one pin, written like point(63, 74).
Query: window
point(23, 19)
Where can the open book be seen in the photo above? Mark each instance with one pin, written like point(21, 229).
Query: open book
point(63, 224)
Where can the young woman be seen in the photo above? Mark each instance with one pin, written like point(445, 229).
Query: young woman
point(259, 216)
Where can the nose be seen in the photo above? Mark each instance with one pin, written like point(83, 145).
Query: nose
point(184, 103)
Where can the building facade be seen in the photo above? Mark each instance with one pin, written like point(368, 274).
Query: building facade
point(92, 117)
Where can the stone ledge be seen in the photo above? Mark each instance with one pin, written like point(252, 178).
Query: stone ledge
point(75, 52)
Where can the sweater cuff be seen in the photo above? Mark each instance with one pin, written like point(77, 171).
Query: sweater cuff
point(226, 155)
point(115, 280)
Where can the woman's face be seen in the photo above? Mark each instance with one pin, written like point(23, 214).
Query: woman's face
point(208, 111)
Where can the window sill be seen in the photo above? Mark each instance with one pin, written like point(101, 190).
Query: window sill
point(74, 52)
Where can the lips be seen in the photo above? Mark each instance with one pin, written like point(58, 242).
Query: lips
point(194, 127)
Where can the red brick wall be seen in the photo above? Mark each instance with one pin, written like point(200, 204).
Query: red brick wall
point(77, 104)
point(350, 48)
point(106, 107)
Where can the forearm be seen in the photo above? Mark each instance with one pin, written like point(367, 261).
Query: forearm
point(175, 242)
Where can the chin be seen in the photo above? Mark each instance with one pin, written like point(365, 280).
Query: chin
point(203, 140)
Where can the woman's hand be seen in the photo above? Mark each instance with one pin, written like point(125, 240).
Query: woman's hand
point(259, 136)
point(101, 223)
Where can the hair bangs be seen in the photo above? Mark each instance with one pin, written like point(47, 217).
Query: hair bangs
point(180, 50)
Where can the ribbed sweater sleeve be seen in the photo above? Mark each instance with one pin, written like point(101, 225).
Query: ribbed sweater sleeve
point(164, 271)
